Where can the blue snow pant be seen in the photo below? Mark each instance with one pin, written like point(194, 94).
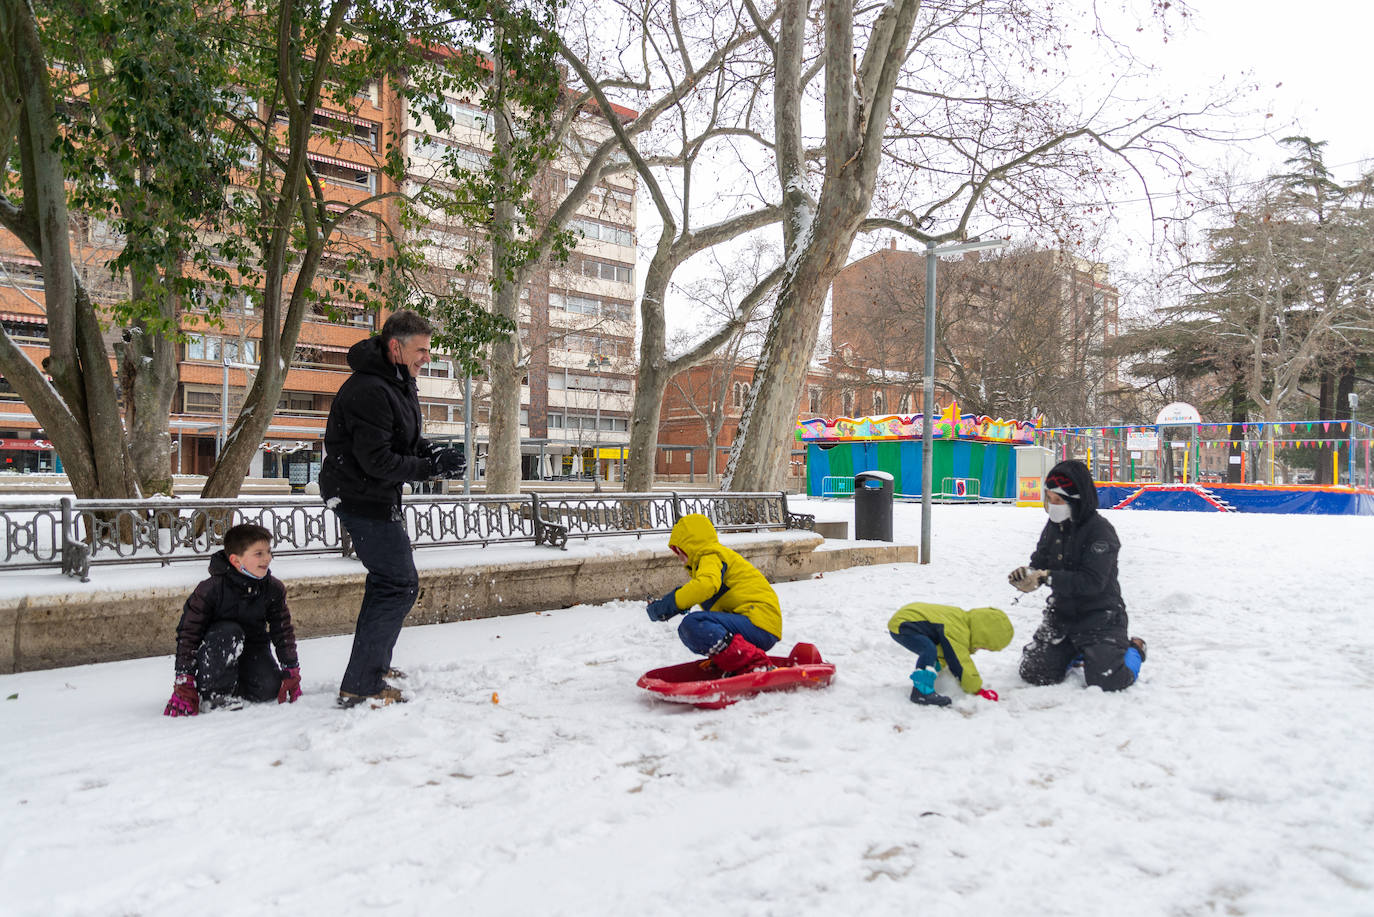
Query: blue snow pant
point(389, 592)
point(228, 666)
point(1109, 660)
point(909, 635)
point(708, 632)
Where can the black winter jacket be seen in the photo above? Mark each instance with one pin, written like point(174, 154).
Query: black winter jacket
point(372, 439)
point(1081, 555)
point(258, 606)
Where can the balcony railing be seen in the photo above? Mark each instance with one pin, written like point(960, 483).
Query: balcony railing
point(78, 534)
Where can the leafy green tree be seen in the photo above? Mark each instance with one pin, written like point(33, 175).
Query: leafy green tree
point(186, 129)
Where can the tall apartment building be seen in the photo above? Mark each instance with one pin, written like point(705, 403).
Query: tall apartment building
point(577, 325)
point(577, 321)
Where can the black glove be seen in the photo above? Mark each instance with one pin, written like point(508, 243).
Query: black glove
point(446, 463)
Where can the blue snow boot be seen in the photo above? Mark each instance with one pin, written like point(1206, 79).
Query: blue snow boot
point(1135, 655)
point(923, 689)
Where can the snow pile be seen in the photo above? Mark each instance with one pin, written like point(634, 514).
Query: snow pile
point(530, 776)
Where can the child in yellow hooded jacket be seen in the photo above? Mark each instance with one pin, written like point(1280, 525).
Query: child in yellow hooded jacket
point(741, 618)
point(947, 636)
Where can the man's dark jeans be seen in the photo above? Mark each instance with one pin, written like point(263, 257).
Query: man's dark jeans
point(391, 589)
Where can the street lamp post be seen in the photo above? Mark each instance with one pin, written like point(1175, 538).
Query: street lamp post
point(596, 362)
point(224, 400)
point(928, 400)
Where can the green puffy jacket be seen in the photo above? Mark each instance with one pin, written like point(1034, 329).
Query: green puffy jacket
point(722, 580)
point(957, 633)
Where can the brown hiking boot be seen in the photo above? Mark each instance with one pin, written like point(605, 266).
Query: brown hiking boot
point(387, 695)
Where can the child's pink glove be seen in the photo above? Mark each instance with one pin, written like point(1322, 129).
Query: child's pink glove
point(185, 701)
point(988, 693)
point(290, 686)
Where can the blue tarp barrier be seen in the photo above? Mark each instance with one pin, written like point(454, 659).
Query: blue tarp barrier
point(1295, 500)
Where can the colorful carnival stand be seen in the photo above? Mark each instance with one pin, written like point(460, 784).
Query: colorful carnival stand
point(974, 455)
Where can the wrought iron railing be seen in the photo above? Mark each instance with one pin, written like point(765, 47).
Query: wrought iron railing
point(77, 534)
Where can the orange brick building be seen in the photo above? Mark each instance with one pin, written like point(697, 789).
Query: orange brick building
point(713, 393)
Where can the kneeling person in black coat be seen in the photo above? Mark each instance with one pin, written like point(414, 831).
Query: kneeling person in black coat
point(223, 652)
point(1085, 617)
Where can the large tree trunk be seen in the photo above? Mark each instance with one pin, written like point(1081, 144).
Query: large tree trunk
point(816, 237)
point(1235, 468)
point(1326, 404)
point(655, 369)
point(148, 368)
point(79, 409)
point(505, 369)
point(148, 374)
point(650, 387)
point(758, 461)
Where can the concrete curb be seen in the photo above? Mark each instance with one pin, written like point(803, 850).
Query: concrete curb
point(65, 629)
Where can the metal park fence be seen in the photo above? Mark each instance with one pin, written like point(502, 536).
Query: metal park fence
point(79, 534)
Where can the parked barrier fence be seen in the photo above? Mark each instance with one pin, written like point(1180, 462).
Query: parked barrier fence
point(77, 534)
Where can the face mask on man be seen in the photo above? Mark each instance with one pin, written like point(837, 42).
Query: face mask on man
point(1058, 512)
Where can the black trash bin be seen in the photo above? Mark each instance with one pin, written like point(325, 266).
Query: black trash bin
point(873, 506)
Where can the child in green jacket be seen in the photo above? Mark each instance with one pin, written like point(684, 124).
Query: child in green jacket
point(943, 635)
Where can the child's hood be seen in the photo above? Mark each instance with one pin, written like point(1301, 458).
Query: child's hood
point(694, 534)
point(989, 628)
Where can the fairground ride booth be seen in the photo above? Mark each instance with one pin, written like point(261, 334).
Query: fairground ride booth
point(974, 456)
point(1129, 464)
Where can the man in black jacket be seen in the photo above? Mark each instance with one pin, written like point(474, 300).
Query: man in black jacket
point(1085, 616)
point(372, 446)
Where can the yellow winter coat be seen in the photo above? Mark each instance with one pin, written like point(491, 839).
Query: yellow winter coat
point(957, 633)
point(722, 580)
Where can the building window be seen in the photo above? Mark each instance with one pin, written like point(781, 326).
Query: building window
point(606, 270)
point(211, 349)
point(878, 401)
point(814, 396)
point(904, 403)
point(441, 369)
point(338, 172)
point(602, 232)
point(202, 402)
point(469, 115)
point(590, 305)
point(24, 274)
point(847, 403)
point(365, 132)
point(737, 397)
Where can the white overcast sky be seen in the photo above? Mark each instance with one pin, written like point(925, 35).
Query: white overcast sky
point(1310, 61)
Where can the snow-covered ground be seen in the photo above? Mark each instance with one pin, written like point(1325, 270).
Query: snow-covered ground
point(529, 776)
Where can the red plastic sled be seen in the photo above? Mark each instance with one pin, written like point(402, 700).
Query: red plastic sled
point(690, 683)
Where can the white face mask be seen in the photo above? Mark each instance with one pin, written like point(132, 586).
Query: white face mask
point(1058, 512)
